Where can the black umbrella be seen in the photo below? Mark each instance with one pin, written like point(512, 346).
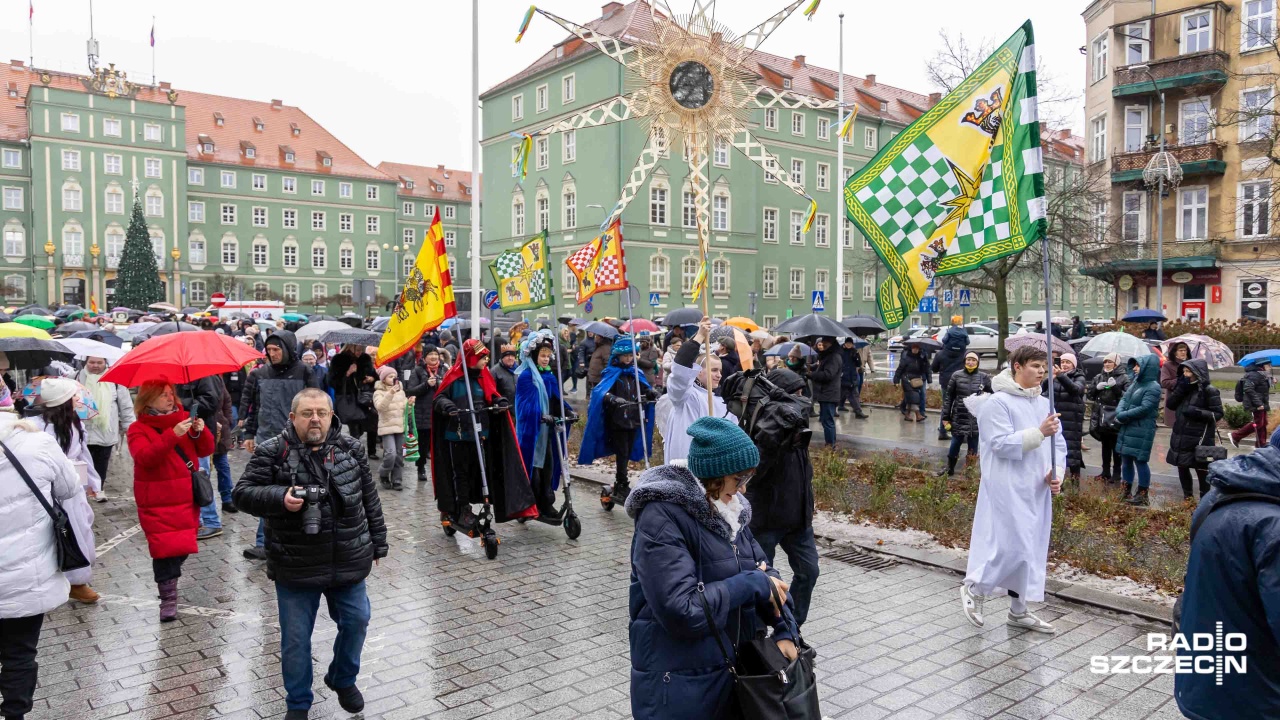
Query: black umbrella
point(320, 317)
point(26, 353)
point(5, 317)
point(683, 316)
point(862, 325)
point(601, 328)
point(103, 337)
point(67, 310)
point(811, 325)
point(33, 310)
point(927, 344)
point(165, 328)
point(191, 310)
point(380, 324)
point(74, 327)
point(353, 320)
point(354, 336)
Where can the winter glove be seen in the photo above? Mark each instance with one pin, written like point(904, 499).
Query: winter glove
point(447, 407)
point(499, 406)
point(548, 420)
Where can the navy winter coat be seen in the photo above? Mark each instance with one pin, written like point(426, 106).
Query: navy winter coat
point(1137, 411)
point(1232, 580)
point(680, 542)
point(950, 359)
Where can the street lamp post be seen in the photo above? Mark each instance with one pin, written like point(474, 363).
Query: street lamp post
point(1161, 169)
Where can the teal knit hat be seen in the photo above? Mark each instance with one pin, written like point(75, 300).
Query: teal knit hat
point(719, 448)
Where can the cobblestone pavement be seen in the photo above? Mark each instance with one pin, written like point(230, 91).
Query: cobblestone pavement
point(540, 632)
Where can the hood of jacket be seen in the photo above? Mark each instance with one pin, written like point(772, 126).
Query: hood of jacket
point(1199, 368)
point(956, 339)
point(1001, 382)
point(1173, 350)
point(675, 484)
point(287, 342)
point(1148, 369)
point(785, 379)
point(1258, 471)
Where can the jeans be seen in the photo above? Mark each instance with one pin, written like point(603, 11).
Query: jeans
point(101, 455)
point(261, 540)
point(1126, 471)
point(827, 415)
point(802, 556)
point(957, 440)
point(392, 458)
point(209, 513)
point(222, 464)
point(349, 608)
point(18, 669)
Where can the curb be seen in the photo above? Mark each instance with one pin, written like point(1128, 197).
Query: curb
point(1072, 592)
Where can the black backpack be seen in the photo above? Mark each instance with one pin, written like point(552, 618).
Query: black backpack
point(774, 419)
point(1240, 390)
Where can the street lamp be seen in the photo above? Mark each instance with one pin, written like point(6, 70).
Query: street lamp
point(1163, 168)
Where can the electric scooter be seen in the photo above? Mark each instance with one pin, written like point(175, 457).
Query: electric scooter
point(483, 528)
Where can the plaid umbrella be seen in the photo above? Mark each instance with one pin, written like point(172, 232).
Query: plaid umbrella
point(1037, 339)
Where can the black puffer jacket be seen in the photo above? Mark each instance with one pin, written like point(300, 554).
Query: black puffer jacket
point(1199, 408)
point(269, 391)
point(912, 366)
point(1068, 401)
point(1105, 390)
point(505, 379)
point(1257, 390)
point(782, 490)
point(419, 387)
point(962, 385)
point(352, 532)
point(825, 377)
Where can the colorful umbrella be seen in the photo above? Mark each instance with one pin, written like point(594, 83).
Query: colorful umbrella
point(36, 321)
point(1215, 354)
point(86, 408)
point(1037, 339)
point(16, 330)
point(640, 325)
point(180, 358)
point(744, 323)
point(294, 317)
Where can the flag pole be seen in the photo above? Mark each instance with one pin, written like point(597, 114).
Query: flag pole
point(839, 183)
point(153, 51)
point(635, 353)
point(1048, 342)
point(31, 42)
point(475, 168)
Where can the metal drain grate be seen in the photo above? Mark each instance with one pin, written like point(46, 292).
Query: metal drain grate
point(862, 559)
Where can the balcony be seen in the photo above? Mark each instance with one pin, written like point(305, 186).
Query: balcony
point(1129, 257)
point(1201, 159)
point(1202, 70)
point(73, 261)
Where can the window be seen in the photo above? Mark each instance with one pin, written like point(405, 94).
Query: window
point(657, 205)
point(795, 283)
point(720, 155)
point(230, 251)
point(73, 241)
point(70, 122)
point(13, 199)
point(769, 282)
point(869, 139)
point(769, 321)
point(151, 133)
point(688, 274)
point(543, 152)
point(824, 176)
point(1135, 128)
point(1255, 208)
point(568, 89)
point(1196, 124)
point(797, 227)
point(259, 254)
point(569, 209)
point(289, 185)
point(11, 158)
point(228, 179)
point(660, 142)
point(797, 171)
point(1259, 26)
point(319, 256)
point(115, 202)
point(770, 166)
point(197, 292)
point(317, 187)
point(252, 152)
point(868, 285)
point(517, 107)
point(824, 128)
point(317, 220)
point(688, 210)
point(1256, 109)
point(720, 276)
point(720, 212)
point(846, 285)
point(658, 269)
point(770, 118)
point(1137, 45)
point(72, 198)
point(15, 288)
point(290, 293)
point(1098, 138)
point(1193, 213)
point(1197, 32)
point(371, 192)
point(450, 238)
point(1133, 226)
point(406, 208)
point(372, 224)
point(372, 258)
point(517, 216)
point(820, 278)
point(289, 254)
point(195, 211)
point(568, 146)
point(1098, 57)
point(346, 257)
point(15, 241)
point(544, 212)
point(115, 245)
point(288, 219)
point(111, 127)
point(346, 221)
point(570, 281)
point(769, 227)
point(821, 236)
point(797, 123)
point(1026, 292)
point(151, 167)
point(228, 214)
point(540, 98)
point(195, 248)
point(71, 160)
point(449, 212)
point(154, 203)
point(1099, 221)
point(344, 190)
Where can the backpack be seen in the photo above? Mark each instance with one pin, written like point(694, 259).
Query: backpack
point(1240, 390)
point(774, 419)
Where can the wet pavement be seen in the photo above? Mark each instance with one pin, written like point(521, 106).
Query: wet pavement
point(541, 632)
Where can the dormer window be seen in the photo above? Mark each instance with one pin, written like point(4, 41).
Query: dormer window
point(247, 148)
point(325, 159)
point(409, 184)
point(439, 188)
point(293, 127)
point(250, 152)
point(786, 83)
point(328, 162)
point(287, 153)
point(288, 157)
point(207, 148)
point(884, 107)
point(219, 120)
point(258, 125)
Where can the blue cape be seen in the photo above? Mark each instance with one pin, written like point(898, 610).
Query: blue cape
point(532, 387)
point(595, 438)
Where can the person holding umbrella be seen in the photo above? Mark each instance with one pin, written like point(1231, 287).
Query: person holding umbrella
point(850, 372)
point(825, 372)
point(115, 415)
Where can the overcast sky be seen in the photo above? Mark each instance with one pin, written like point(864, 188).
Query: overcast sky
point(391, 78)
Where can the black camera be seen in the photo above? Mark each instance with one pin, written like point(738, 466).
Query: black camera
point(312, 496)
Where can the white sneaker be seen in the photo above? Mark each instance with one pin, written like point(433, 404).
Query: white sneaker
point(101, 496)
point(1028, 621)
point(972, 606)
point(1234, 442)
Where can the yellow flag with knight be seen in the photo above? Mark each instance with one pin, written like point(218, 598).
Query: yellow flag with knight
point(961, 186)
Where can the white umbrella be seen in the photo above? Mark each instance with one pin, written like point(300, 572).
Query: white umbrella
point(86, 348)
point(313, 331)
point(1122, 343)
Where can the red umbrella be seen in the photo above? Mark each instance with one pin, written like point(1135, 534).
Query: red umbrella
point(640, 325)
point(180, 358)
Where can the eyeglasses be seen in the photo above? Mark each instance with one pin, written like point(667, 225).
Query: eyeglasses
point(743, 478)
point(320, 414)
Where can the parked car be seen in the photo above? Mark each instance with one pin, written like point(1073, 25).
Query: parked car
point(895, 342)
point(982, 339)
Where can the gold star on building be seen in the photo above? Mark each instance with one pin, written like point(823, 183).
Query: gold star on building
point(969, 189)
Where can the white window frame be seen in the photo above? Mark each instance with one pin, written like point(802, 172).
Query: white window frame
point(113, 200)
point(720, 152)
point(71, 160)
point(568, 207)
point(288, 218)
point(688, 275)
point(1140, 213)
point(450, 212)
point(12, 158)
point(227, 213)
point(113, 244)
point(227, 179)
point(568, 146)
point(195, 211)
point(846, 285)
point(542, 205)
point(824, 176)
point(260, 254)
point(371, 193)
point(798, 171)
point(542, 152)
point(258, 217)
point(372, 258)
point(317, 187)
point(1183, 206)
point(289, 254)
point(870, 138)
point(346, 222)
point(152, 132)
point(1251, 39)
point(1141, 128)
point(1260, 200)
point(517, 216)
point(822, 281)
point(797, 123)
point(1099, 56)
point(345, 190)
point(450, 238)
point(824, 128)
point(1182, 31)
point(795, 229)
point(152, 168)
point(72, 198)
point(771, 119)
point(70, 122)
point(406, 208)
point(1098, 137)
point(769, 225)
point(230, 259)
point(372, 225)
point(517, 107)
point(768, 280)
point(868, 285)
point(568, 88)
point(1203, 102)
point(319, 220)
point(688, 209)
point(108, 124)
point(771, 170)
point(720, 215)
point(1143, 46)
point(822, 230)
point(719, 276)
point(795, 283)
point(195, 176)
point(659, 274)
point(289, 185)
point(112, 164)
point(153, 202)
point(1256, 120)
point(541, 98)
point(14, 198)
point(319, 256)
point(659, 204)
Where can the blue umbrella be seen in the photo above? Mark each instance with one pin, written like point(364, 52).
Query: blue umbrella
point(601, 328)
point(784, 349)
point(1144, 315)
point(1271, 357)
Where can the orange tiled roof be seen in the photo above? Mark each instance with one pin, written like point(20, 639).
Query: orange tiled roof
point(425, 179)
point(1062, 145)
point(312, 141)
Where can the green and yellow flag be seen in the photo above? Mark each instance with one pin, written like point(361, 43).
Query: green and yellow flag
point(521, 276)
point(961, 186)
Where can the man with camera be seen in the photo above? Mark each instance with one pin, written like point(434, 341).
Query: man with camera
point(324, 532)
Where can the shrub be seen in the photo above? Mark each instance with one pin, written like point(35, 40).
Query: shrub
point(1235, 415)
point(883, 392)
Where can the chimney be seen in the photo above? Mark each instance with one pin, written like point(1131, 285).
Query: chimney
point(800, 60)
point(277, 104)
point(166, 86)
point(440, 168)
point(1065, 134)
point(934, 98)
point(609, 9)
point(17, 64)
point(869, 81)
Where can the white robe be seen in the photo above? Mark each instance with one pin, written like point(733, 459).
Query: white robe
point(1009, 547)
point(685, 402)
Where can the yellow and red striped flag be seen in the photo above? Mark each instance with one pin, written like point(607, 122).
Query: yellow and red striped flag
point(425, 301)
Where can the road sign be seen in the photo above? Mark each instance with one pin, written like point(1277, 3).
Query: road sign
point(217, 300)
point(654, 299)
point(928, 305)
point(491, 299)
point(587, 307)
point(948, 297)
point(964, 298)
point(819, 301)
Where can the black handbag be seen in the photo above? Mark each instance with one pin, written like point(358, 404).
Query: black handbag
point(201, 486)
point(1207, 452)
point(68, 548)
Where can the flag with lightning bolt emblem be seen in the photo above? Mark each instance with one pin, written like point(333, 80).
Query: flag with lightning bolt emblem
point(961, 186)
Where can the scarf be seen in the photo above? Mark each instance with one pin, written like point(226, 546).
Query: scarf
point(528, 355)
point(1005, 383)
point(730, 511)
point(104, 397)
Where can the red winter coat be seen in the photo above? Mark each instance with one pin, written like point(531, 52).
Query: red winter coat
point(162, 483)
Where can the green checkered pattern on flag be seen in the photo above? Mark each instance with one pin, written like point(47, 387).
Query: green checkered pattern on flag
point(521, 276)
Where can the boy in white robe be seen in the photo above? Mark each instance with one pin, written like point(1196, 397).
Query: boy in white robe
point(1023, 458)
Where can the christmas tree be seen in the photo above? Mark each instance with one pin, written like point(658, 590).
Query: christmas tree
point(138, 278)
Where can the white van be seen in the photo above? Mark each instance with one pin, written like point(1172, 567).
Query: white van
point(1031, 317)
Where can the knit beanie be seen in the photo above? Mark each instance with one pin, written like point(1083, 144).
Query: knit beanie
point(385, 371)
point(719, 448)
point(1071, 359)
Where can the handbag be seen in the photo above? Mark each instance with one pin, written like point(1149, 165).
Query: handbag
point(916, 382)
point(201, 486)
point(411, 451)
point(1206, 453)
point(66, 545)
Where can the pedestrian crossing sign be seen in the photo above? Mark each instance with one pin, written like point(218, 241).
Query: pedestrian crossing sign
point(964, 298)
point(819, 302)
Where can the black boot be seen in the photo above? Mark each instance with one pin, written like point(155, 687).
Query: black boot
point(422, 473)
point(951, 467)
point(942, 435)
point(1141, 499)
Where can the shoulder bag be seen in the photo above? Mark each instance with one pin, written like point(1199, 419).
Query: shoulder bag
point(68, 548)
point(201, 486)
point(1207, 452)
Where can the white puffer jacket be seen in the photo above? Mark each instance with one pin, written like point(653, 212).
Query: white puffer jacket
point(390, 403)
point(30, 582)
